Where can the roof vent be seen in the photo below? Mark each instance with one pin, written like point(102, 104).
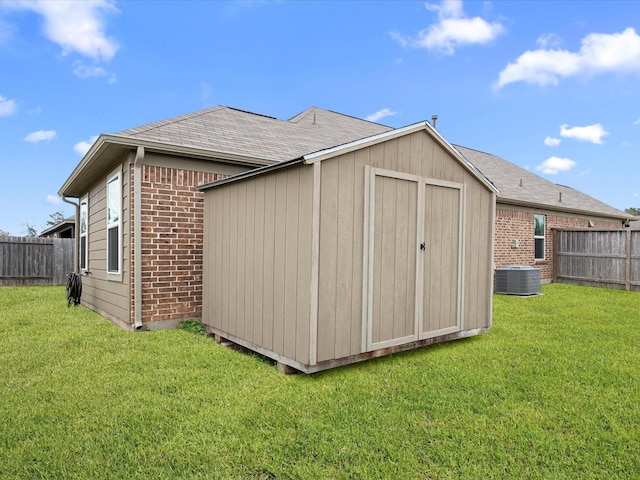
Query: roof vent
point(521, 182)
point(434, 119)
point(560, 197)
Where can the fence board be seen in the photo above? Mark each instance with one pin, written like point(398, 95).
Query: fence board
point(600, 258)
point(35, 261)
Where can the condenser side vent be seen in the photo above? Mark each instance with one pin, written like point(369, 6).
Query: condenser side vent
point(517, 280)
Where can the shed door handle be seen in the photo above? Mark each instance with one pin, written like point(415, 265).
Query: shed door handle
point(422, 246)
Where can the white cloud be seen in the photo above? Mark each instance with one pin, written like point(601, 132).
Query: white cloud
point(552, 142)
point(454, 29)
point(553, 165)
point(86, 71)
point(7, 107)
point(385, 112)
point(83, 147)
point(77, 26)
point(637, 122)
point(599, 53)
point(40, 136)
point(590, 133)
point(549, 40)
point(53, 199)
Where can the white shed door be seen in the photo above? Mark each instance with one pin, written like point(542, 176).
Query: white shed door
point(412, 258)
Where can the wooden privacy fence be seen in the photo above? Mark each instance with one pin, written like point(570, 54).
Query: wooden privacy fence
point(599, 258)
point(35, 261)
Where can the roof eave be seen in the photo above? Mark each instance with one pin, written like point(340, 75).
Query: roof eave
point(559, 208)
point(116, 145)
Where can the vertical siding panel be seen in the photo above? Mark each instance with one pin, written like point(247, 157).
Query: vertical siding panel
point(416, 154)
point(224, 214)
point(485, 263)
point(258, 258)
point(376, 291)
point(412, 248)
point(241, 260)
point(387, 251)
point(231, 246)
point(249, 268)
point(328, 260)
point(305, 218)
point(269, 261)
point(391, 155)
point(344, 274)
point(427, 168)
point(449, 221)
point(218, 203)
point(474, 254)
point(376, 156)
point(280, 254)
point(404, 154)
point(433, 275)
point(402, 325)
point(438, 160)
point(291, 268)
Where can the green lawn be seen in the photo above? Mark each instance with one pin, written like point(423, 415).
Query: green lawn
point(552, 391)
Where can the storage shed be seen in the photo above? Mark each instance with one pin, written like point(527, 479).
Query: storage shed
point(368, 248)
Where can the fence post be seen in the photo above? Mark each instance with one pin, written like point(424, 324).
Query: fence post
point(627, 269)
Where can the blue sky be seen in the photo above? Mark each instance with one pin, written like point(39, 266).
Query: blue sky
point(551, 86)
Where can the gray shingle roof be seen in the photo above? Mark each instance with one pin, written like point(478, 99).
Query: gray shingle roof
point(229, 130)
point(521, 186)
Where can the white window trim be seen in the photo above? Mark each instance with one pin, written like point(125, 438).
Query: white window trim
point(111, 274)
point(84, 200)
point(538, 237)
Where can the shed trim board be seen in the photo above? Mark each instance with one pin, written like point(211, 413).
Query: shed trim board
point(315, 265)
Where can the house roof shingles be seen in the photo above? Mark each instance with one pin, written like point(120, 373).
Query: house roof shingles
point(520, 186)
point(233, 131)
point(230, 131)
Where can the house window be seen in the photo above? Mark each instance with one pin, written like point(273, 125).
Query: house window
point(84, 218)
point(114, 208)
point(539, 229)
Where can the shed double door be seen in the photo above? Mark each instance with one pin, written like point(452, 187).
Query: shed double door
point(413, 258)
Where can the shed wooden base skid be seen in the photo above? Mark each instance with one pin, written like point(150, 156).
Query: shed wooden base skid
point(288, 366)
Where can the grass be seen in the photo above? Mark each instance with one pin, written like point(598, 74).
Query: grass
point(552, 391)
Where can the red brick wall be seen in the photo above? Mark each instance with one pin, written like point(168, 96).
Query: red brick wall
point(172, 234)
point(518, 225)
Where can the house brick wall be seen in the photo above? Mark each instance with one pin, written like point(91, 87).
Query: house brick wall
point(172, 237)
point(518, 225)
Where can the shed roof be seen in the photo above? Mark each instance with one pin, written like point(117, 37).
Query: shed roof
point(518, 186)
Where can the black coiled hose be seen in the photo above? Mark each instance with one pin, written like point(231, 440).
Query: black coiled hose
point(74, 289)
